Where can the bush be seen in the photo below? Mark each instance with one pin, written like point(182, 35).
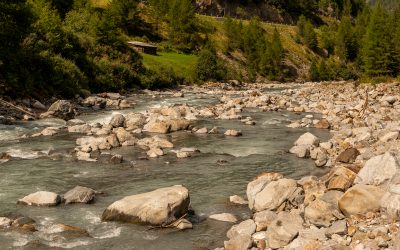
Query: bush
point(209, 66)
point(161, 78)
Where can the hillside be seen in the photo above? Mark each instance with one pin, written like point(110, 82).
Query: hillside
point(297, 56)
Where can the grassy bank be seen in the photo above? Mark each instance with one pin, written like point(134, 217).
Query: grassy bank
point(182, 64)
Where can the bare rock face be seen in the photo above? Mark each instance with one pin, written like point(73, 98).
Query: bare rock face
point(361, 199)
point(390, 203)
point(160, 207)
point(341, 178)
point(320, 213)
point(240, 242)
point(41, 198)
point(79, 194)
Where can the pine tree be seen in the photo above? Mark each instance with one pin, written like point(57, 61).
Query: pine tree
point(310, 37)
point(379, 51)
point(314, 72)
point(346, 43)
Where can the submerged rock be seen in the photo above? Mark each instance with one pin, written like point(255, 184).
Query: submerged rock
point(41, 198)
point(226, 217)
point(160, 207)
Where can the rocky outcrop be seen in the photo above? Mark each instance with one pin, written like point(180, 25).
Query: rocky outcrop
point(160, 207)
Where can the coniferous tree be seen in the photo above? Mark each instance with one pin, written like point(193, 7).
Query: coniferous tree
point(378, 52)
point(310, 37)
point(346, 43)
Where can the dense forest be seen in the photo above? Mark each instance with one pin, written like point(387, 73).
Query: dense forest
point(64, 48)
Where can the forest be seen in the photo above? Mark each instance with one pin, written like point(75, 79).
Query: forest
point(64, 48)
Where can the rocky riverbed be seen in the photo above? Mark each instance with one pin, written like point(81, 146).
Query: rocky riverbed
point(311, 189)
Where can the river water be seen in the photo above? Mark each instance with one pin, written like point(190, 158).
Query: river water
point(262, 148)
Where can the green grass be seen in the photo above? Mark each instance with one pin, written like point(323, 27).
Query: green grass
point(182, 64)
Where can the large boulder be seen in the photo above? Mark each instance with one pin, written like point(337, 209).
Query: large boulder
point(263, 219)
point(378, 170)
point(118, 120)
point(79, 194)
point(319, 213)
point(390, 203)
point(134, 121)
point(62, 109)
point(255, 186)
point(284, 229)
point(41, 198)
point(240, 242)
point(159, 127)
point(361, 199)
point(160, 207)
point(274, 194)
point(247, 227)
point(341, 178)
point(348, 156)
point(307, 139)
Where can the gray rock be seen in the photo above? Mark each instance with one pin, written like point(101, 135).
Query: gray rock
point(390, 203)
point(62, 109)
point(263, 219)
point(378, 170)
point(117, 120)
point(247, 227)
point(226, 217)
point(235, 199)
point(302, 151)
point(83, 129)
point(319, 213)
point(361, 199)
point(240, 242)
point(41, 198)
point(284, 229)
point(307, 139)
point(338, 227)
point(79, 194)
point(274, 194)
point(160, 207)
point(255, 186)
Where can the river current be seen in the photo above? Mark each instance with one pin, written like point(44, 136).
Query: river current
point(223, 168)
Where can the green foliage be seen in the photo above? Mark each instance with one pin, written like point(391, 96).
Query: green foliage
point(379, 54)
point(346, 42)
point(161, 78)
point(181, 18)
point(306, 33)
point(271, 62)
point(209, 67)
point(233, 31)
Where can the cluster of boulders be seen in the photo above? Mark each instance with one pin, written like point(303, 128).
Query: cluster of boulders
point(340, 210)
point(78, 194)
point(356, 205)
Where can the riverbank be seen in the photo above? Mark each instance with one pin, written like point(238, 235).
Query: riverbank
point(298, 210)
